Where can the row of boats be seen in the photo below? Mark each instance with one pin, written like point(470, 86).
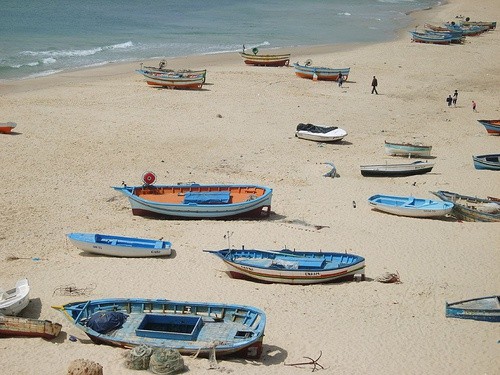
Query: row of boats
point(194, 79)
point(450, 32)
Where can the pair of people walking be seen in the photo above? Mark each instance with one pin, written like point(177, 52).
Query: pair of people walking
point(452, 99)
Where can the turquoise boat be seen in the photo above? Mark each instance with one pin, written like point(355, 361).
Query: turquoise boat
point(491, 162)
point(190, 327)
point(482, 308)
point(407, 149)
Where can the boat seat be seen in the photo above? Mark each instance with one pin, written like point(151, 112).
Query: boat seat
point(114, 242)
point(207, 197)
point(158, 244)
point(305, 262)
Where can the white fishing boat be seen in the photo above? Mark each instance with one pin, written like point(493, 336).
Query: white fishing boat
point(119, 246)
point(320, 133)
point(14, 300)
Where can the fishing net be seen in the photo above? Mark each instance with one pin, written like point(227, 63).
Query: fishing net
point(138, 358)
point(84, 367)
point(165, 361)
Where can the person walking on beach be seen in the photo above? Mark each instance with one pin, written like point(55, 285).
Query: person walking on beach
point(455, 97)
point(374, 85)
point(340, 79)
point(474, 106)
point(449, 100)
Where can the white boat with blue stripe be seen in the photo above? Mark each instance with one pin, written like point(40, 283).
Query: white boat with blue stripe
point(119, 246)
point(410, 206)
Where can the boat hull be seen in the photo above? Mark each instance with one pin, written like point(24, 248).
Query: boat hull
point(13, 301)
point(266, 60)
point(410, 206)
point(483, 308)
point(175, 83)
point(11, 326)
point(491, 162)
point(396, 170)
point(491, 126)
point(431, 38)
point(469, 208)
point(407, 149)
point(241, 200)
point(320, 73)
point(190, 327)
point(6, 127)
point(119, 246)
point(287, 267)
point(331, 136)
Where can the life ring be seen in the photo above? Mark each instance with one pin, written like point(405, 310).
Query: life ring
point(149, 178)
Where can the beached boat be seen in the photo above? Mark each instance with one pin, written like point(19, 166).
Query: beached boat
point(12, 301)
point(118, 246)
point(254, 58)
point(467, 30)
point(431, 38)
point(320, 133)
point(190, 327)
point(469, 208)
point(456, 36)
point(169, 74)
point(410, 206)
point(194, 82)
point(491, 126)
point(320, 73)
point(6, 127)
point(198, 201)
point(14, 326)
point(407, 149)
point(290, 267)
point(491, 161)
point(396, 170)
point(491, 25)
point(482, 308)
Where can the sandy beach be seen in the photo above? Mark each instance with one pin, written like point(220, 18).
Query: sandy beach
point(79, 133)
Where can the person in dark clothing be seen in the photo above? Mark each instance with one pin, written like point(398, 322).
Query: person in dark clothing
point(449, 100)
point(374, 85)
point(340, 79)
point(455, 97)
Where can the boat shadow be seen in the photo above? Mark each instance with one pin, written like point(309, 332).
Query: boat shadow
point(86, 254)
point(12, 133)
point(33, 310)
point(272, 355)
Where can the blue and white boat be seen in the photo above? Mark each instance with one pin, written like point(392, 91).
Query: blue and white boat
point(190, 327)
point(491, 161)
point(119, 246)
point(482, 308)
point(198, 201)
point(407, 149)
point(291, 267)
point(491, 126)
point(431, 38)
point(410, 206)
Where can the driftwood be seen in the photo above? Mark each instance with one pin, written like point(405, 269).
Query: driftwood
point(313, 362)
